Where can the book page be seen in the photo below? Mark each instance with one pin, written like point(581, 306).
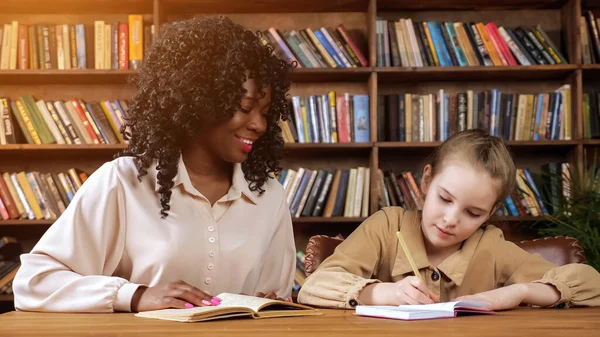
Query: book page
point(235, 300)
point(445, 306)
point(257, 303)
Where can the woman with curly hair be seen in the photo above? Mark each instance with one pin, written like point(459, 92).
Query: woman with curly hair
point(188, 210)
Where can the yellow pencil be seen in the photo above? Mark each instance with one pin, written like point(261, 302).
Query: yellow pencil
point(407, 253)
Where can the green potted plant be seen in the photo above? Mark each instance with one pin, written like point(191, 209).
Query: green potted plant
point(578, 214)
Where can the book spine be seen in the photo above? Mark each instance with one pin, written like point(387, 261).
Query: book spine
point(136, 41)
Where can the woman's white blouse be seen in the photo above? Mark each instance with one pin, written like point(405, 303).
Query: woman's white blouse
point(111, 239)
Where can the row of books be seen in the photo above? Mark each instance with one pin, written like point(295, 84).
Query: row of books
point(435, 117)
point(589, 26)
point(35, 195)
point(328, 118)
point(401, 189)
point(117, 45)
point(404, 43)
point(591, 115)
point(61, 122)
point(335, 192)
point(322, 48)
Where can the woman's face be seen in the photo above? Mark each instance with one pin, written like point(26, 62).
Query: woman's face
point(232, 140)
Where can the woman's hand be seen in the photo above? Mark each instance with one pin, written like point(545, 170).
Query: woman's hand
point(500, 299)
point(409, 290)
point(176, 294)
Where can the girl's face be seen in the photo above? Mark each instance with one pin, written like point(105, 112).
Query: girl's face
point(459, 199)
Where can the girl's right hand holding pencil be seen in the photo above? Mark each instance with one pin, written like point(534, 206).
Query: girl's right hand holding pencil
point(409, 290)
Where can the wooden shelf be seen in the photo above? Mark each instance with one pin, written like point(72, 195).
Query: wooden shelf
point(99, 149)
point(338, 219)
point(331, 74)
point(595, 142)
point(527, 218)
point(55, 151)
point(386, 74)
point(395, 5)
point(7, 298)
point(328, 147)
point(264, 6)
point(26, 222)
point(405, 145)
point(72, 76)
point(76, 6)
point(541, 143)
point(300, 220)
point(478, 73)
point(510, 143)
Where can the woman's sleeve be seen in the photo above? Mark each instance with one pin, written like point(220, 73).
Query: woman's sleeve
point(70, 268)
point(338, 281)
point(578, 284)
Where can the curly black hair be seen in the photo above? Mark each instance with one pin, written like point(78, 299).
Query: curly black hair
point(191, 77)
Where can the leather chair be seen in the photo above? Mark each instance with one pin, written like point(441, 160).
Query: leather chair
point(559, 250)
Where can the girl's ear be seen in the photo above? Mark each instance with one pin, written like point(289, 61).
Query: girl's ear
point(426, 178)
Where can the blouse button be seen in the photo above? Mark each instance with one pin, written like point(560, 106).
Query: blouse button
point(210, 266)
point(211, 254)
point(211, 240)
point(435, 276)
point(353, 303)
point(211, 228)
point(207, 280)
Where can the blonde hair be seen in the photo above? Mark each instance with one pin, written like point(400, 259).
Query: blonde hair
point(482, 151)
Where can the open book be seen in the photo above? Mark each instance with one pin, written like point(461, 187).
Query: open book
point(424, 311)
point(233, 305)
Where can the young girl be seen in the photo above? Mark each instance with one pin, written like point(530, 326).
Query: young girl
point(457, 257)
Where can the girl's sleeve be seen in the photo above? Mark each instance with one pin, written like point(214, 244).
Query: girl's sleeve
point(578, 284)
point(339, 279)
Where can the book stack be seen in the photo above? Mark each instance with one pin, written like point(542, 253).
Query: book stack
point(404, 43)
point(325, 47)
point(116, 45)
point(61, 122)
point(36, 196)
point(328, 193)
point(328, 118)
point(409, 117)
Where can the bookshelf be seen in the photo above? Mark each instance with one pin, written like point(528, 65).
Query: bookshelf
point(558, 17)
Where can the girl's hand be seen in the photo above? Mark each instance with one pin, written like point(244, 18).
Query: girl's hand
point(410, 290)
point(500, 299)
point(413, 290)
point(176, 294)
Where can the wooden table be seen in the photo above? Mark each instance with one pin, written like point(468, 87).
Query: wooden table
point(579, 322)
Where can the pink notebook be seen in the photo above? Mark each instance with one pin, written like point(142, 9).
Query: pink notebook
point(424, 311)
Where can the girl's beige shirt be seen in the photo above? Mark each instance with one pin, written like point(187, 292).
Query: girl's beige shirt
point(484, 262)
